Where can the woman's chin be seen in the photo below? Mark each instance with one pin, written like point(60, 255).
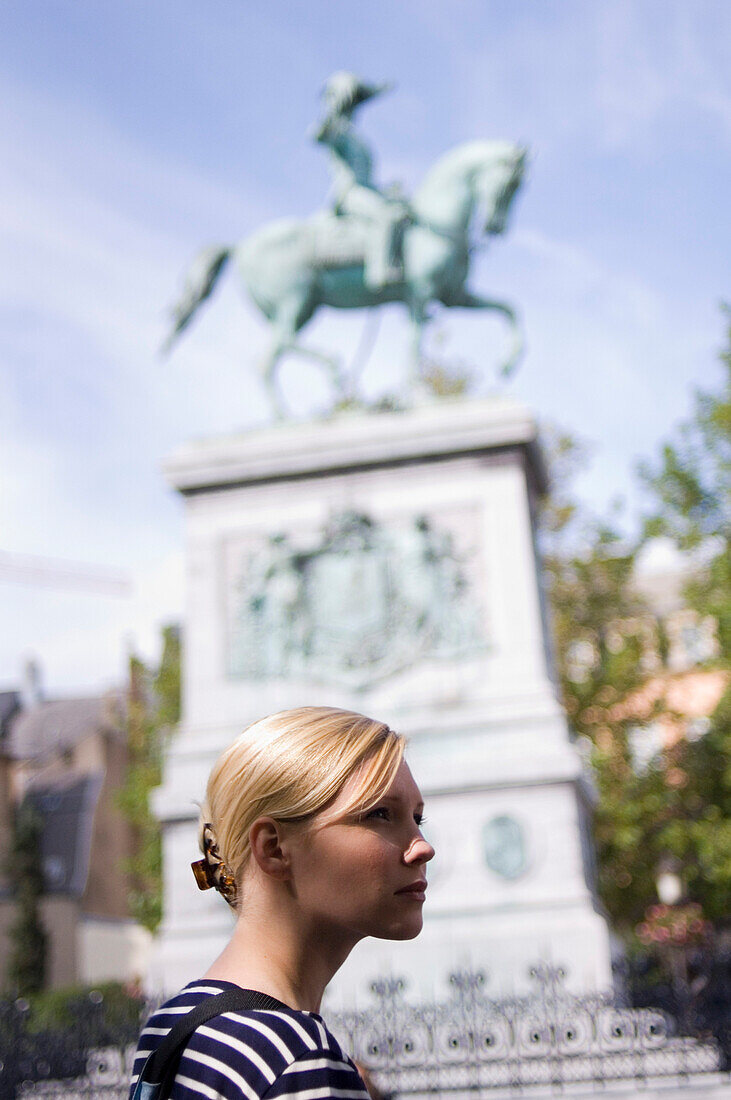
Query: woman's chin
point(401, 932)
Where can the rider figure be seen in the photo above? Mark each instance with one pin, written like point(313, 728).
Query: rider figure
point(355, 192)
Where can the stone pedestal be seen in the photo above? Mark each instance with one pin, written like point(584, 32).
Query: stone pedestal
point(386, 563)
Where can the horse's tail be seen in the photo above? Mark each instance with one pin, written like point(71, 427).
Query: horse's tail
point(199, 283)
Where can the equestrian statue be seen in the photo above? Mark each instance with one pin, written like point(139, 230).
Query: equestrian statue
point(372, 246)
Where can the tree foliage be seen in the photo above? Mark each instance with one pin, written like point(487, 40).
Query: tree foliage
point(26, 970)
point(678, 808)
point(153, 710)
point(689, 489)
point(595, 609)
point(690, 493)
point(588, 577)
point(677, 805)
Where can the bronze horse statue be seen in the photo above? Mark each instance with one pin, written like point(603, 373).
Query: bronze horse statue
point(291, 267)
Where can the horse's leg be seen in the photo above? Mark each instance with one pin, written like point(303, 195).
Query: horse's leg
point(278, 346)
point(293, 345)
point(291, 316)
point(419, 316)
point(294, 309)
point(418, 320)
point(466, 300)
point(329, 361)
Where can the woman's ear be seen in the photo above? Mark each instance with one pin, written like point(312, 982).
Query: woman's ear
point(268, 849)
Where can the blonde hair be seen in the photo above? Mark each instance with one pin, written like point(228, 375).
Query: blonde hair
point(290, 766)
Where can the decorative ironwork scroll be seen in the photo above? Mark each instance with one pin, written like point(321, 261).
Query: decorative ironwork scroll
point(546, 1041)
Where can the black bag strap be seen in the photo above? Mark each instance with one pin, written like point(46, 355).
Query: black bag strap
point(158, 1072)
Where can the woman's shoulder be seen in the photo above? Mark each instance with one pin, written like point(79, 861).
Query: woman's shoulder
point(288, 1032)
point(278, 1053)
point(277, 1037)
point(251, 1052)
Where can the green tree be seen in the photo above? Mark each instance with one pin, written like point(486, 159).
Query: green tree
point(27, 963)
point(153, 711)
point(678, 808)
point(677, 804)
point(597, 615)
point(698, 831)
point(167, 681)
point(689, 487)
point(599, 627)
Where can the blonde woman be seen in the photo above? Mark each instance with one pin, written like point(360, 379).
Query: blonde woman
point(311, 831)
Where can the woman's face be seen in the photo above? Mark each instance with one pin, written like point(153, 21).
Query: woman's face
point(365, 875)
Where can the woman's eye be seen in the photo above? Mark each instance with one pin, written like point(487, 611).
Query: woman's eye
point(383, 813)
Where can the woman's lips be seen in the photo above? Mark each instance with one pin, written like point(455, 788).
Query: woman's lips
point(416, 890)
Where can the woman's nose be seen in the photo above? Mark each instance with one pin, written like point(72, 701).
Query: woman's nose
point(419, 851)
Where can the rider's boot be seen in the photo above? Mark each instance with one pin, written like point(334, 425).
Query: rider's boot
point(384, 254)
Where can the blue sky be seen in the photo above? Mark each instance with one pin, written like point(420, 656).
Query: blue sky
point(134, 133)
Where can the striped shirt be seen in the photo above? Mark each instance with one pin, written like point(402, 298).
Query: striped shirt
point(251, 1055)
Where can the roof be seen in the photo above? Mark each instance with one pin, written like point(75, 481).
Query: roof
point(54, 726)
point(67, 810)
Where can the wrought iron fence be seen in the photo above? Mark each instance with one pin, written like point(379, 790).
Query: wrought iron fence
point(547, 1043)
point(85, 1055)
point(551, 1039)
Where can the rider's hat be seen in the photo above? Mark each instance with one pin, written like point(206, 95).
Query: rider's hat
point(343, 91)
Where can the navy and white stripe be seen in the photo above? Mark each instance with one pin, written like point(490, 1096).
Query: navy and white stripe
point(283, 1055)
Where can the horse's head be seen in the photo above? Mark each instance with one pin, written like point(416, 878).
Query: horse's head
point(482, 173)
point(496, 181)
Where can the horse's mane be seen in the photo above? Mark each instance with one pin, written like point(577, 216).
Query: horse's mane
point(461, 159)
